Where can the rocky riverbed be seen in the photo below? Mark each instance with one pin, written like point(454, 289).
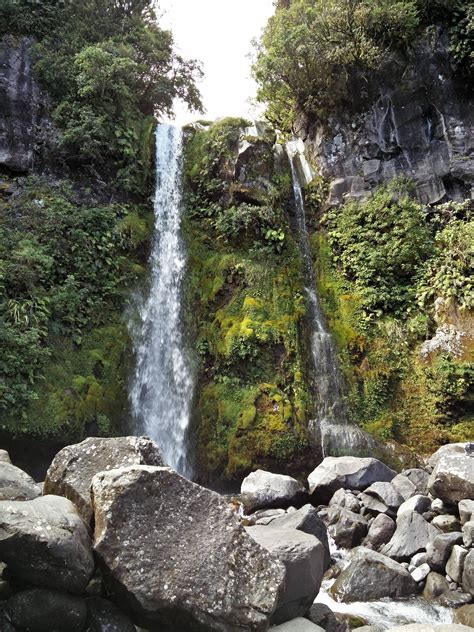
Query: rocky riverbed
point(116, 542)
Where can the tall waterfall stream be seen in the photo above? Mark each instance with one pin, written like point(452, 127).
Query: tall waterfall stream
point(162, 385)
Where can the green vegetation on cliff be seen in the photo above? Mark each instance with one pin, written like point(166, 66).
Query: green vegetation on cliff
point(245, 295)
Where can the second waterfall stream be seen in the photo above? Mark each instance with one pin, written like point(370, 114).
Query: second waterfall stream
point(162, 386)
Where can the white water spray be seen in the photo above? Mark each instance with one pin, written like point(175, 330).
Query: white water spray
point(162, 386)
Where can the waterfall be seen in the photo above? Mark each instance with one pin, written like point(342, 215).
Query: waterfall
point(162, 385)
point(331, 429)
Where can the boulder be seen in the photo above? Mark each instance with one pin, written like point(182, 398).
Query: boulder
point(468, 533)
point(468, 573)
point(452, 478)
point(104, 616)
point(453, 599)
point(455, 564)
point(345, 498)
point(346, 527)
point(451, 449)
point(372, 576)
point(263, 516)
point(466, 510)
point(439, 549)
point(419, 478)
point(16, 484)
point(262, 489)
point(418, 503)
point(70, 474)
point(322, 615)
point(372, 506)
point(380, 532)
point(4, 457)
point(303, 555)
point(42, 610)
point(175, 556)
point(439, 507)
point(418, 559)
point(446, 523)
point(386, 493)
point(346, 472)
point(421, 572)
point(465, 615)
point(45, 542)
point(404, 486)
point(411, 536)
point(306, 519)
point(297, 625)
point(435, 585)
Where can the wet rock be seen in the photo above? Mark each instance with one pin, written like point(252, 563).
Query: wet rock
point(439, 549)
point(346, 527)
point(411, 536)
point(468, 573)
point(452, 478)
point(418, 503)
point(465, 615)
point(174, 554)
point(42, 610)
point(346, 499)
point(421, 572)
point(104, 616)
point(16, 484)
point(45, 542)
point(380, 532)
point(4, 457)
point(446, 523)
point(468, 533)
point(346, 472)
point(372, 576)
point(453, 599)
point(306, 519)
point(386, 493)
point(455, 564)
point(302, 554)
point(435, 585)
point(322, 615)
point(297, 625)
point(466, 510)
point(262, 489)
point(70, 474)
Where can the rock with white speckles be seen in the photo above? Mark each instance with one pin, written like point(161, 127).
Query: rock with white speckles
point(175, 556)
point(45, 542)
point(262, 489)
point(70, 474)
point(16, 484)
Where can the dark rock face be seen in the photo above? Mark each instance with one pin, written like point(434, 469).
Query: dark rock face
point(380, 532)
point(371, 576)
point(45, 542)
point(41, 610)
point(73, 468)
point(174, 555)
point(346, 527)
point(302, 554)
point(16, 484)
point(346, 472)
point(420, 123)
point(262, 489)
point(24, 127)
point(104, 616)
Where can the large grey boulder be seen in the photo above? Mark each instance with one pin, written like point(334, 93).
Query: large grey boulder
point(262, 489)
point(418, 503)
point(104, 616)
point(346, 527)
point(452, 478)
point(412, 535)
point(387, 494)
point(439, 549)
point(435, 585)
point(303, 557)
point(446, 523)
point(306, 519)
point(404, 486)
point(16, 484)
point(450, 449)
point(45, 542)
point(455, 564)
point(42, 610)
point(380, 532)
point(419, 478)
point(372, 576)
point(70, 474)
point(297, 625)
point(468, 573)
point(4, 457)
point(322, 615)
point(175, 556)
point(466, 510)
point(468, 534)
point(346, 472)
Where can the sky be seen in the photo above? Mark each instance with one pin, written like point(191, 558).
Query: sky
point(219, 34)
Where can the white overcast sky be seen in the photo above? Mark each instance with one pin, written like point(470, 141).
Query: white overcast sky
point(219, 34)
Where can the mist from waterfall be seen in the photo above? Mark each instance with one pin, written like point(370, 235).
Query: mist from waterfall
point(162, 385)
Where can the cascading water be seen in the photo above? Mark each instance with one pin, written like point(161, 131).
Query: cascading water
point(331, 427)
point(162, 386)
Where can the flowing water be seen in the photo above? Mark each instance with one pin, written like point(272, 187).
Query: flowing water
point(330, 407)
point(162, 386)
